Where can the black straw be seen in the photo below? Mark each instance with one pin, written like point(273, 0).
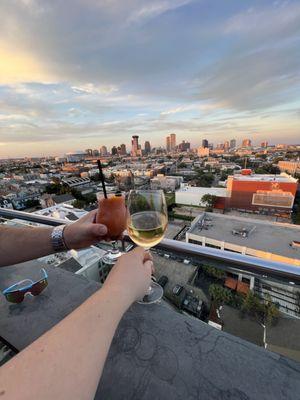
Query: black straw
point(102, 178)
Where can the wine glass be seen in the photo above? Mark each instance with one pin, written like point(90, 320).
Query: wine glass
point(147, 220)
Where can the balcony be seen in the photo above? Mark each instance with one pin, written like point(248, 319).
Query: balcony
point(165, 351)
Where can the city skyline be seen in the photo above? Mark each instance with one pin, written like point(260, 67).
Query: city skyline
point(227, 71)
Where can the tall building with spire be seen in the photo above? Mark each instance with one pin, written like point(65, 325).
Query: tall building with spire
point(135, 146)
point(204, 143)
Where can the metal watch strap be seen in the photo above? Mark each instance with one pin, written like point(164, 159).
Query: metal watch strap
point(57, 239)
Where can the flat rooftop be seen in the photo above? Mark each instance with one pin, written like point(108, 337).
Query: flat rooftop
point(173, 229)
point(272, 237)
point(265, 178)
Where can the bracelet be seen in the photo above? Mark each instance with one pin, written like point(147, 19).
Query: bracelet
point(57, 239)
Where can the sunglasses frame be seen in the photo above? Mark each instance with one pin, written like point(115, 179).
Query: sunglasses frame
point(20, 293)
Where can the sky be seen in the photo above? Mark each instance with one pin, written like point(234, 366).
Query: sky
point(78, 74)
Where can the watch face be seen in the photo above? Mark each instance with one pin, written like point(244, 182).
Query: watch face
point(58, 243)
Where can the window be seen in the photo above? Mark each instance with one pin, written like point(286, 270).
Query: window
point(212, 246)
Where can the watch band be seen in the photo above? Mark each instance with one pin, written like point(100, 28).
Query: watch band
point(57, 239)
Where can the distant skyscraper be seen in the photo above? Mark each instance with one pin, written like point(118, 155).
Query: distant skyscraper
point(226, 145)
point(204, 143)
point(246, 143)
point(95, 153)
point(89, 152)
point(232, 143)
point(173, 141)
point(135, 145)
point(264, 144)
point(168, 144)
point(103, 151)
point(114, 151)
point(184, 146)
point(122, 151)
point(147, 147)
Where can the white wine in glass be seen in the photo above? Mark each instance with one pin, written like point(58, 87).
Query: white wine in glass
point(146, 225)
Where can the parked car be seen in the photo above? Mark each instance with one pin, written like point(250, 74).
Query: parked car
point(163, 280)
point(177, 289)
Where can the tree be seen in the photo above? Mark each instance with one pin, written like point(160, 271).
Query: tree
point(209, 200)
point(79, 203)
point(31, 203)
point(90, 198)
point(264, 312)
point(204, 179)
point(214, 272)
point(267, 169)
point(220, 294)
point(253, 306)
point(271, 311)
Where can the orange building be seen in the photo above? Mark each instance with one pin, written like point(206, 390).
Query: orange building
point(264, 193)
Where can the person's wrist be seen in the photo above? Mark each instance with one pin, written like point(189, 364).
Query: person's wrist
point(57, 239)
point(67, 236)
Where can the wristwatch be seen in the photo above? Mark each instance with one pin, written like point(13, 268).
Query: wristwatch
point(57, 239)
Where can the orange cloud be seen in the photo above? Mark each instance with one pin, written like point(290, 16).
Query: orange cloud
point(17, 66)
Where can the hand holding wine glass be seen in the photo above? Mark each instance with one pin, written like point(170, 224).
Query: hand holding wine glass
point(147, 220)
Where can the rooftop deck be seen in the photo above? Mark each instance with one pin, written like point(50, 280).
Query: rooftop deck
point(262, 235)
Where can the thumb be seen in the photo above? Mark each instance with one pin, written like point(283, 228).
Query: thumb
point(148, 267)
point(97, 230)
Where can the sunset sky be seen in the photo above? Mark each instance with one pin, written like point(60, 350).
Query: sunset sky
point(79, 74)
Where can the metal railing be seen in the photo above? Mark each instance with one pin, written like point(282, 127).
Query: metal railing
point(220, 258)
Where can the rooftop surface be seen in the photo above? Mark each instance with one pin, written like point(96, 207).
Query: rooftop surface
point(160, 354)
point(173, 229)
point(156, 352)
point(222, 192)
point(262, 235)
point(265, 178)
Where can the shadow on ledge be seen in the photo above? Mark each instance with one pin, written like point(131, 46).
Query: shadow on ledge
point(158, 354)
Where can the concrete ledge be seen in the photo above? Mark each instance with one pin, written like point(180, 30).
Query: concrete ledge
point(160, 354)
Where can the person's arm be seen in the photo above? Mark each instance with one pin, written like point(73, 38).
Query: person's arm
point(23, 244)
point(67, 361)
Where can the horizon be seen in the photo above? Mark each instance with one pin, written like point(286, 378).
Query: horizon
point(92, 73)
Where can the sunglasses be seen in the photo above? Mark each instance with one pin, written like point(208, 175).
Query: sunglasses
point(14, 294)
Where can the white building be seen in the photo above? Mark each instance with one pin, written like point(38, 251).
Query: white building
point(166, 182)
point(192, 196)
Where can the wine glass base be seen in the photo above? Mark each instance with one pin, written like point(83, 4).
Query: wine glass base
point(155, 294)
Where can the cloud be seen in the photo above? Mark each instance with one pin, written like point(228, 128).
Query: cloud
point(179, 109)
point(101, 70)
point(155, 9)
point(262, 68)
point(90, 88)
